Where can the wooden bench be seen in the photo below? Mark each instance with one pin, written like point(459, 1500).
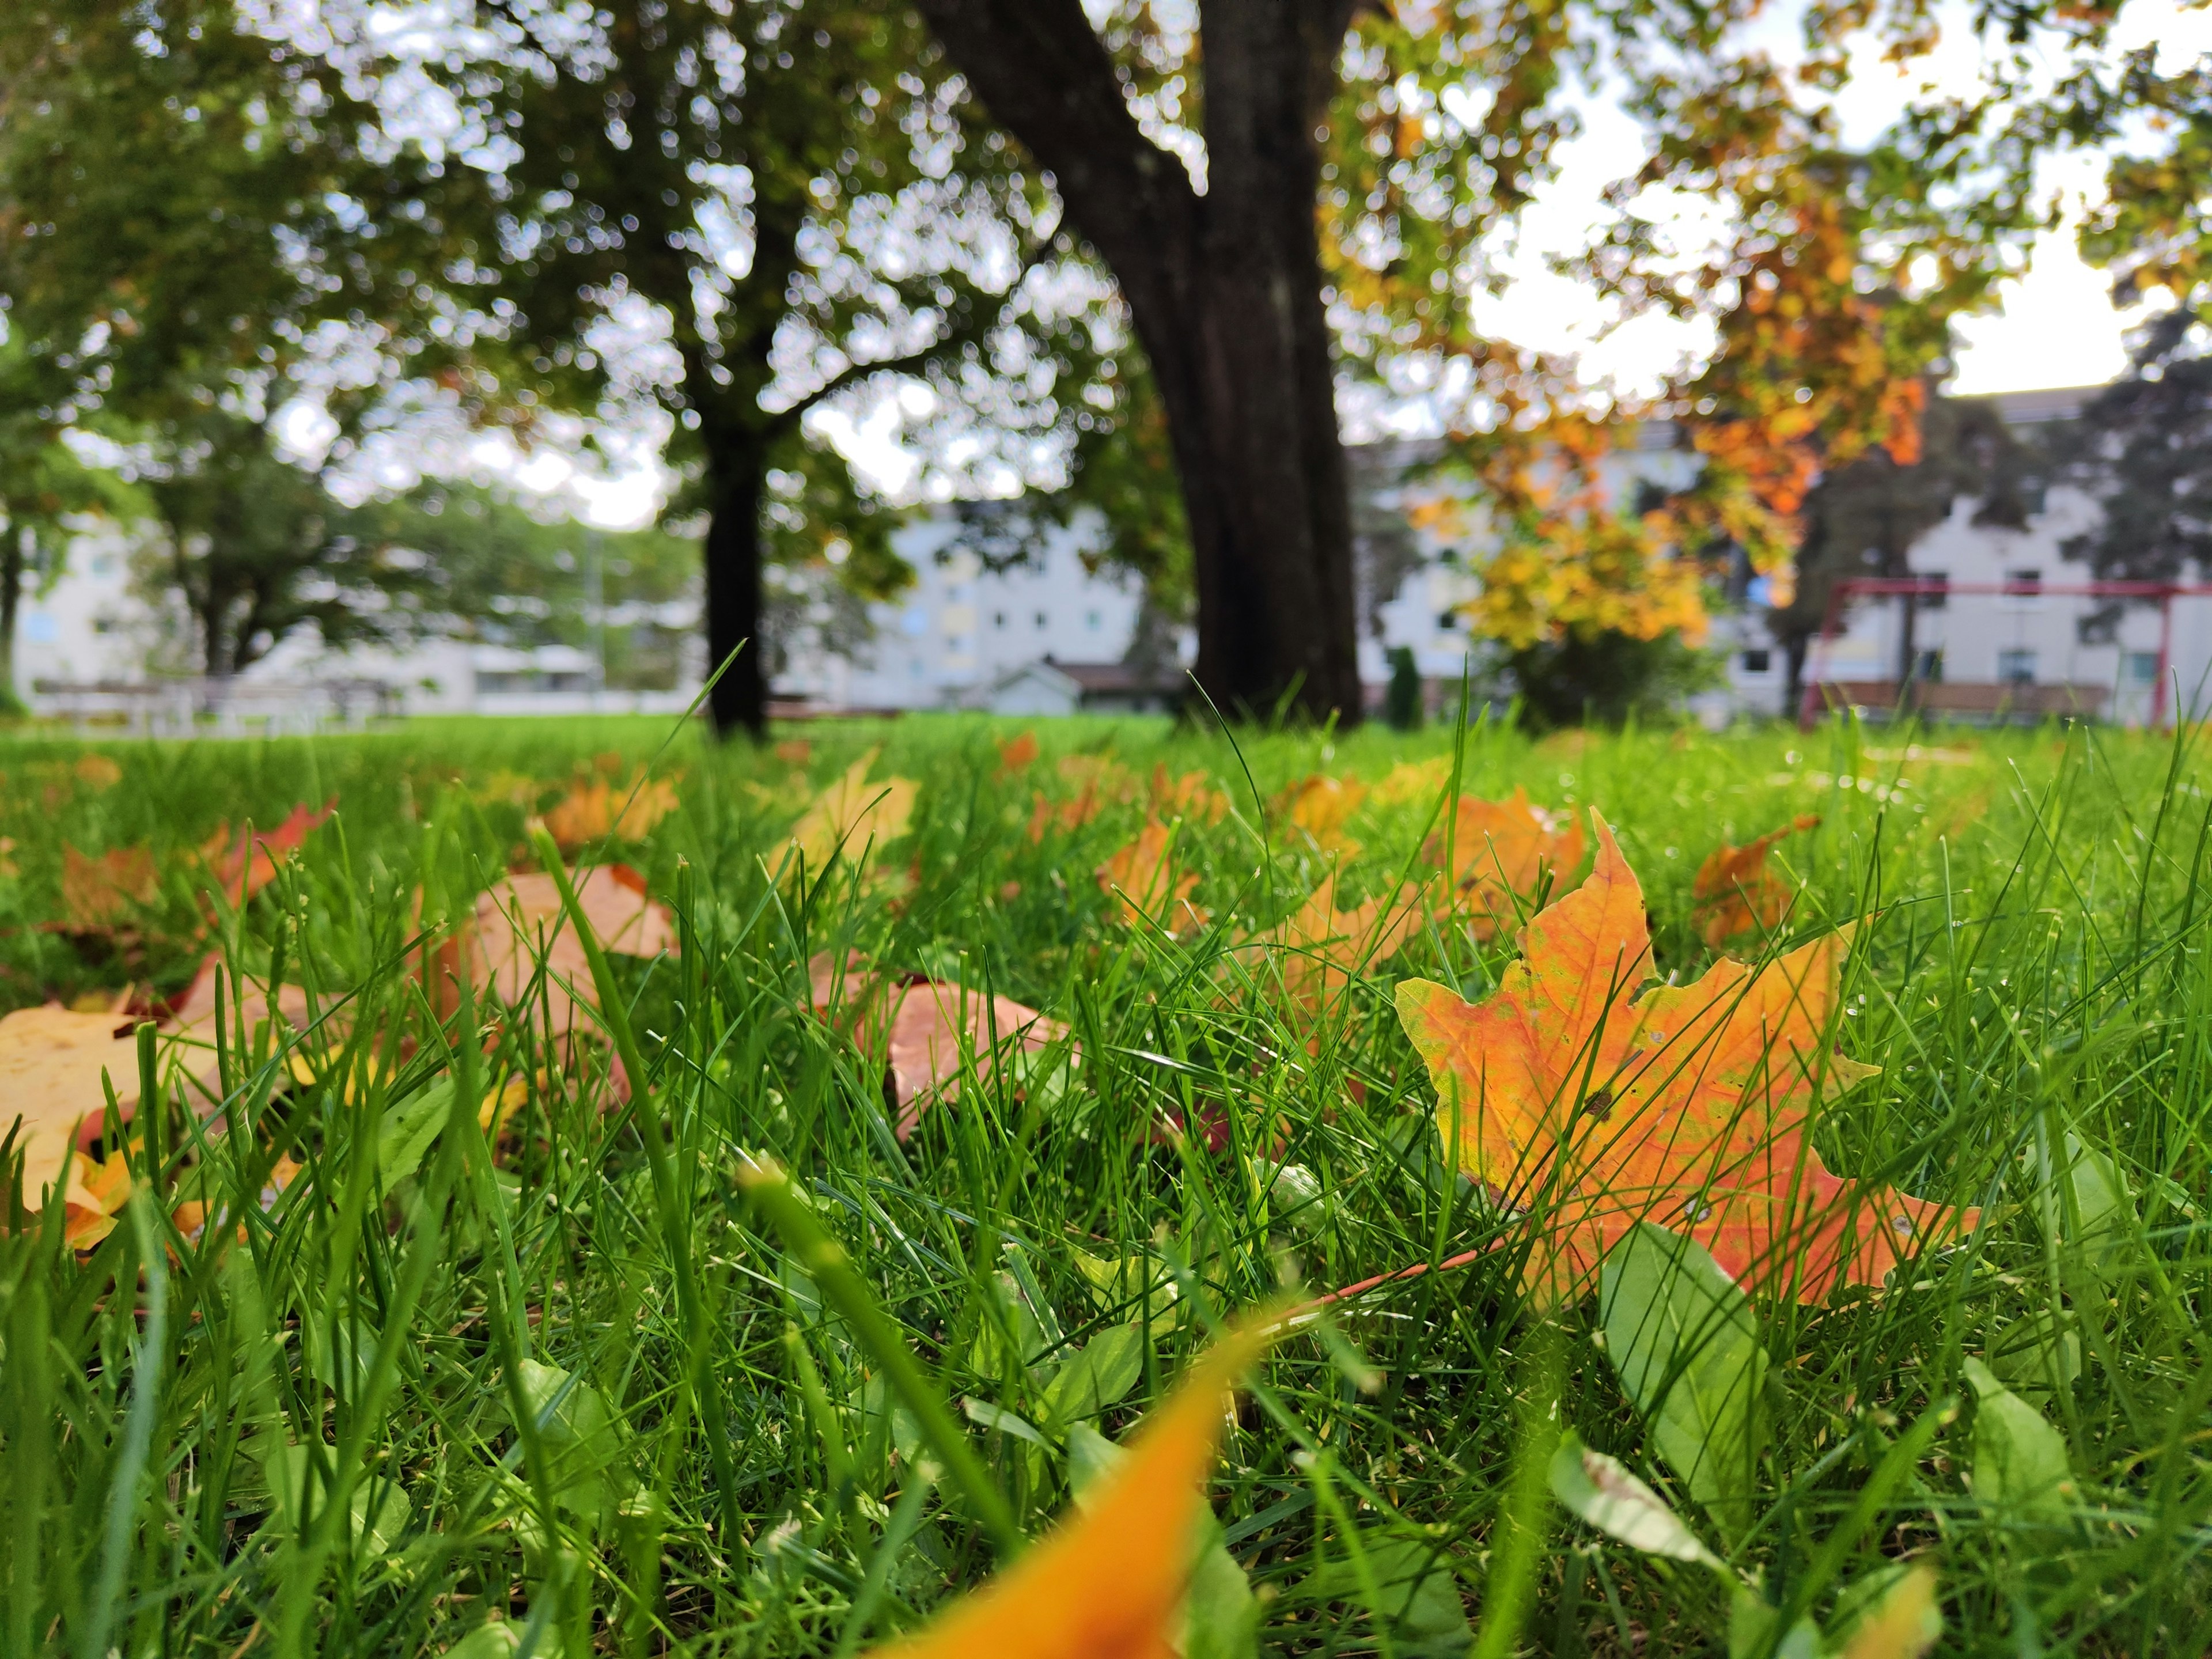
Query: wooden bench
point(1991, 701)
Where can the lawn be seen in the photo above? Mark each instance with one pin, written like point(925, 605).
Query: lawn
point(355, 1369)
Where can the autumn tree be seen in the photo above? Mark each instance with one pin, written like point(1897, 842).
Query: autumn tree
point(1863, 518)
point(1293, 191)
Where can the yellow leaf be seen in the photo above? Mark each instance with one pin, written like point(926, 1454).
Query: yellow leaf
point(1108, 1582)
point(852, 816)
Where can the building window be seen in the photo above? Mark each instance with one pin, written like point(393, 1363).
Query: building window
point(1758, 662)
point(1447, 621)
point(1927, 667)
point(2023, 584)
point(997, 619)
point(956, 643)
point(1938, 585)
point(103, 624)
point(2142, 667)
point(2016, 668)
point(1092, 621)
point(1042, 620)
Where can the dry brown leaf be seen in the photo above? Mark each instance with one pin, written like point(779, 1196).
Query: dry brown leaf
point(1410, 780)
point(97, 773)
point(1017, 755)
point(935, 1027)
point(1143, 877)
point(1501, 852)
point(98, 892)
point(1689, 1106)
point(521, 921)
point(794, 751)
point(242, 864)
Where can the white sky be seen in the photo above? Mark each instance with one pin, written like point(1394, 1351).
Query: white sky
point(2053, 326)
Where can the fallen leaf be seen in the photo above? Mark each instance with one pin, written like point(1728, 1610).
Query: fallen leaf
point(51, 1064)
point(1109, 1581)
point(107, 1186)
point(935, 1027)
point(1064, 815)
point(1191, 796)
point(1735, 893)
point(1410, 780)
point(834, 985)
point(1500, 854)
point(1143, 877)
point(521, 921)
point(97, 892)
point(1687, 1107)
point(243, 864)
point(8, 870)
point(1017, 755)
point(1102, 773)
point(1321, 947)
point(192, 1016)
point(852, 816)
point(598, 809)
point(1319, 807)
point(1905, 1625)
point(97, 773)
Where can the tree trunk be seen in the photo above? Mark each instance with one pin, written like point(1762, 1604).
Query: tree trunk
point(1225, 290)
point(737, 477)
point(11, 597)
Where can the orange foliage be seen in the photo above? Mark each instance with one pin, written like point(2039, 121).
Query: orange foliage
point(1143, 877)
point(244, 865)
point(598, 809)
point(1017, 755)
point(98, 892)
point(1735, 893)
point(1320, 948)
point(1108, 1583)
point(1687, 1107)
point(1501, 852)
point(1318, 807)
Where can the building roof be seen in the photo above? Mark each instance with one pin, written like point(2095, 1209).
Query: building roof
point(2038, 408)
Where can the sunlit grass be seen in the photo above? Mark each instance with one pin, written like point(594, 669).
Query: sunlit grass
point(2030, 963)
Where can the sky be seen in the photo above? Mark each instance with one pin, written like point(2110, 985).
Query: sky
point(2052, 325)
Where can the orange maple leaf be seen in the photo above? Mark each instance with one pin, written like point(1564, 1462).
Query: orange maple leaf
point(1321, 947)
point(598, 809)
point(1735, 892)
point(1017, 755)
point(1108, 1583)
point(1319, 807)
point(1143, 877)
point(1501, 852)
point(1687, 1107)
point(97, 892)
point(1191, 796)
point(244, 865)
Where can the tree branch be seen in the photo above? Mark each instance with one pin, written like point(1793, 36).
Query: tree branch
point(1048, 79)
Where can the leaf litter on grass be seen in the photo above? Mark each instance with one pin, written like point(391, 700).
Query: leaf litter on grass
point(1066, 1214)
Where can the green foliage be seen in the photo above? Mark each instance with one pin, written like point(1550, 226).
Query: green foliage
point(1604, 679)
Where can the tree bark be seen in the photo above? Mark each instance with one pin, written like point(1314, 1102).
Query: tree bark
point(737, 477)
point(11, 599)
point(1225, 290)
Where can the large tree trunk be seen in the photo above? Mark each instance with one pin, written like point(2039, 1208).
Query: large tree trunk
point(736, 477)
point(11, 597)
point(1226, 293)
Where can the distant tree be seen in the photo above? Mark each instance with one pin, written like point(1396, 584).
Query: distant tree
point(2143, 446)
point(1290, 193)
point(1863, 518)
point(786, 199)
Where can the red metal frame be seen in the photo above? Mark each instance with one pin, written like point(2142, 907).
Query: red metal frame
point(1841, 593)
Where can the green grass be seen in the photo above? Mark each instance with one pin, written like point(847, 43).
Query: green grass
point(620, 1417)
